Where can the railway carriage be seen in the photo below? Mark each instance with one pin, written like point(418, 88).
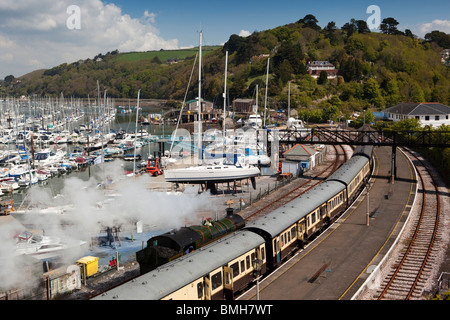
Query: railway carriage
point(215, 271)
point(288, 228)
point(166, 247)
point(227, 265)
point(353, 173)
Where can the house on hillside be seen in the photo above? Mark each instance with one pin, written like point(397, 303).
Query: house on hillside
point(429, 113)
point(445, 57)
point(314, 68)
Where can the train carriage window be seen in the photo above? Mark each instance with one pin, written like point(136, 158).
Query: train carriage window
point(263, 254)
point(216, 280)
point(293, 233)
point(242, 265)
point(247, 262)
point(200, 290)
point(253, 257)
point(235, 267)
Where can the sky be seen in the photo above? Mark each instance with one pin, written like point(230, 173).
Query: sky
point(38, 34)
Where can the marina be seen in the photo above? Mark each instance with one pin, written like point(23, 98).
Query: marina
point(107, 199)
point(311, 167)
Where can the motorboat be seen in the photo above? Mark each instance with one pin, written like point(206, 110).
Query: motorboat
point(254, 121)
point(47, 157)
point(28, 178)
point(295, 124)
point(8, 184)
point(42, 247)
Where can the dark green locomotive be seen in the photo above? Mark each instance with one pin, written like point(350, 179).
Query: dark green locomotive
point(174, 244)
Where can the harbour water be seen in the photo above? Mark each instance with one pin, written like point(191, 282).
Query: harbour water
point(122, 121)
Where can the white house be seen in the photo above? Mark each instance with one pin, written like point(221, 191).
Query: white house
point(429, 113)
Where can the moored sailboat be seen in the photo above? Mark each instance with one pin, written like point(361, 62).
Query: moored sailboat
point(206, 174)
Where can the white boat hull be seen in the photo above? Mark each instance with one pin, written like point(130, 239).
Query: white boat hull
point(217, 174)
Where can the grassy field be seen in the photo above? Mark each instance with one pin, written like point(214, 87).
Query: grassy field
point(163, 55)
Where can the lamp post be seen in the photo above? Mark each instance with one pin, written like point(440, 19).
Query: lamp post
point(368, 199)
point(257, 265)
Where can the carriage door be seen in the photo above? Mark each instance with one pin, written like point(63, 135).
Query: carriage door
point(207, 288)
point(228, 283)
point(277, 249)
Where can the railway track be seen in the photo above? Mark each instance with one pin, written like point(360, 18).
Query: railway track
point(415, 255)
point(340, 157)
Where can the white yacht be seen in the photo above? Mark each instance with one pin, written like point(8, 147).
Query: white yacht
point(47, 157)
point(40, 246)
point(254, 121)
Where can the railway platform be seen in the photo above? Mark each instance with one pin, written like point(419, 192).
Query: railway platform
point(337, 263)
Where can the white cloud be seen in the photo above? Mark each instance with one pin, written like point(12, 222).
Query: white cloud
point(244, 33)
point(35, 33)
point(441, 25)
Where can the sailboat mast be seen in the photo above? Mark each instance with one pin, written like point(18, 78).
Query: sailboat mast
point(225, 93)
point(267, 83)
point(199, 138)
point(135, 133)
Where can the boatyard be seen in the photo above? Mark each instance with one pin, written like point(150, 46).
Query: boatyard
point(155, 174)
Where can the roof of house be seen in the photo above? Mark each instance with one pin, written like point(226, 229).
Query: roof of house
point(413, 109)
point(300, 150)
point(320, 64)
point(196, 99)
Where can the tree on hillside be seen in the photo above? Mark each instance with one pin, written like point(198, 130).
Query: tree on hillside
point(349, 28)
point(389, 26)
point(330, 26)
point(310, 21)
point(291, 52)
point(323, 77)
point(362, 26)
point(372, 94)
point(233, 44)
point(442, 39)
point(354, 25)
point(9, 79)
point(331, 32)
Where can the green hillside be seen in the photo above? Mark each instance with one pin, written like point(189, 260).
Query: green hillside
point(377, 70)
point(162, 55)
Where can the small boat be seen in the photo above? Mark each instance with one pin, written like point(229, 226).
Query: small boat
point(8, 184)
point(47, 157)
point(28, 178)
point(42, 247)
point(131, 157)
point(254, 121)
